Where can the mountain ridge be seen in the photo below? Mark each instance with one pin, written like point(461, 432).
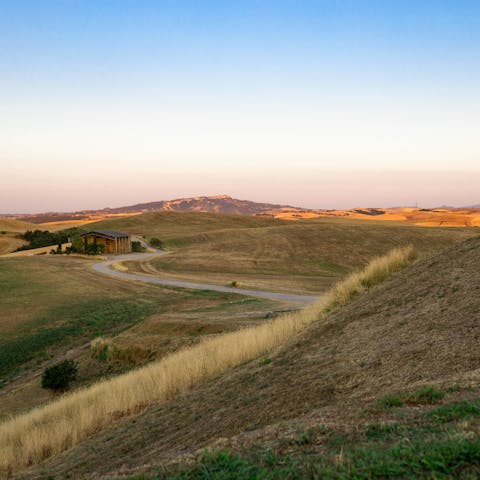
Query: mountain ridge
point(213, 204)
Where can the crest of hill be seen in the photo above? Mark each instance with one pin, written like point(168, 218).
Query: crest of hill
point(420, 327)
point(213, 204)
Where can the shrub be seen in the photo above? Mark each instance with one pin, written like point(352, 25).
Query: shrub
point(58, 377)
point(137, 246)
point(78, 246)
point(156, 242)
point(105, 350)
point(95, 249)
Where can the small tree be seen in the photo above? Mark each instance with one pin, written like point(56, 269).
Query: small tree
point(78, 245)
point(156, 242)
point(59, 376)
point(137, 246)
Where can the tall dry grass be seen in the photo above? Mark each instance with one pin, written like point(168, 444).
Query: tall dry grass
point(106, 350)
point(45, 431)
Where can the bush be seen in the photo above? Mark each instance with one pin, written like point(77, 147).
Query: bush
point(95, 249)
point(156, 242)
point(78, 246)
point(137, 246)
point(59, 376)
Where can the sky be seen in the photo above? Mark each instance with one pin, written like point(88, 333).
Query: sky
point(320, 104)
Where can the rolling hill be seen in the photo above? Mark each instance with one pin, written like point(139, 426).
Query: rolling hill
point(9, 230)
point(442, 216)
point(390, 383)
point(427, 217)
point(273, 254)
point(212, 204)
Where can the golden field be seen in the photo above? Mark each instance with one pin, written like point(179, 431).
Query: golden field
point(437, 217)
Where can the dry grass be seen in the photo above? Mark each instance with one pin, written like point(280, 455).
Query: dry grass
point(37, 251)
point(374, 273)
point(438, 217)
point(13, 225)
point(9, 231)
point(308, 256)
point(119, 266)
point(28, 439)
point(106, 350)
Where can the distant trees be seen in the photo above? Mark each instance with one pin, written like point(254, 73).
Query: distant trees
point(45, 238)
point(59, 376)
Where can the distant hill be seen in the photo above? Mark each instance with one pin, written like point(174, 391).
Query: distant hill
point(440, 216)
point(212, 204)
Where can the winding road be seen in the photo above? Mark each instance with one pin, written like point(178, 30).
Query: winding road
point(105, 268)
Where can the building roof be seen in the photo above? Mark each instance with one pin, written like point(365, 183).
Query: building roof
point(106, 233)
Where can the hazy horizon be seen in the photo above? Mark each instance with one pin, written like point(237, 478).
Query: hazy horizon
point(317, 104)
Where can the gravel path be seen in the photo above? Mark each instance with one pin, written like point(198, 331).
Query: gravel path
point(105, 268)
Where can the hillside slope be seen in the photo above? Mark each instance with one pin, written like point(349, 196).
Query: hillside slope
point(9, 229)
point(271, 254)
point(422, 326)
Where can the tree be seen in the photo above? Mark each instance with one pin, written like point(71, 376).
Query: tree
point(156, 242)
point(137, 246)
point(59, 376)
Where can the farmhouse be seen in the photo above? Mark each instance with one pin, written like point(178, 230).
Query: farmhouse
point(115, 242)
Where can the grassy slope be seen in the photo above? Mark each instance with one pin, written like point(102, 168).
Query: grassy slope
point(12, 225)
point(329, 379)
point(9, 229)
point(50, 305)
point(173, 227)
point(304, 256)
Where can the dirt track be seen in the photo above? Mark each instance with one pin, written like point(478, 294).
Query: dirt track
point(105, 268)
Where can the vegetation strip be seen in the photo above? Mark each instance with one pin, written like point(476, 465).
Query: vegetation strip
point(45, 431)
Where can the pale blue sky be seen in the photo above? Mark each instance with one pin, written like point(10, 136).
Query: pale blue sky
point(322, 104)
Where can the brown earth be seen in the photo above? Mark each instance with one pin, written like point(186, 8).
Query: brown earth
point(421, 326)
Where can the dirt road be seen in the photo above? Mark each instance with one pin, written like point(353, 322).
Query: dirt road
point(105, 268)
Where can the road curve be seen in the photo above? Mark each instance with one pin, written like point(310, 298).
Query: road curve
point(105, 268)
